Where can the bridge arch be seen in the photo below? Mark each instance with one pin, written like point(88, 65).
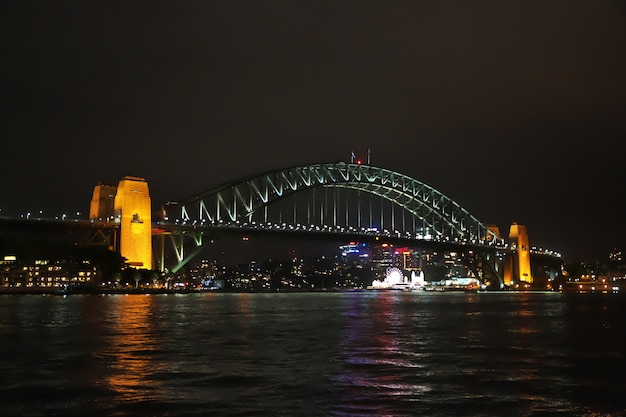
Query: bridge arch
point(431, 213)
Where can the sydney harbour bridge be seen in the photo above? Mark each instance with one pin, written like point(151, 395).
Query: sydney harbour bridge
point(351, 200)
point(335, 201)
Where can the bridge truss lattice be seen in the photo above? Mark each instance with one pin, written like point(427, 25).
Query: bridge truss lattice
point(334, 197)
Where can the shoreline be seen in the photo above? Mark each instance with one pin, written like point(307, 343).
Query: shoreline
point(146, 291)
point(157, 291)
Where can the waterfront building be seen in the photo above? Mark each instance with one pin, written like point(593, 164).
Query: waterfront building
point(396, 280)
point(45, 273)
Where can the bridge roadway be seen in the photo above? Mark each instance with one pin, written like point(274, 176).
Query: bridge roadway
point(11, 225)
point(68, 228)
point(84, 231)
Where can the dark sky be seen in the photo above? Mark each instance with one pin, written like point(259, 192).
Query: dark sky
point(514, 109)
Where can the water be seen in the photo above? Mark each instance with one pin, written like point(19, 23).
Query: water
point(313, 354)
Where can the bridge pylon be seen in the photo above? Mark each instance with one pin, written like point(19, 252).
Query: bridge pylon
point(127, 206)
point(517, 260)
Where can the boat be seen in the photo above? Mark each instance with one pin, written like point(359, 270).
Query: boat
point(464, 284)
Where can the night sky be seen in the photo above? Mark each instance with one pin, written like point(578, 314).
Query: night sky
point(514, 109)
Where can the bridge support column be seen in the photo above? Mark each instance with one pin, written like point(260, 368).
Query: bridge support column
point(133, 211)
point(159, 255)
point(127, 208)
point(178, 242)
point(489, 266)
point(517, 260)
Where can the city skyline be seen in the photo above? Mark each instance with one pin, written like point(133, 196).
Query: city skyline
point(513, 111)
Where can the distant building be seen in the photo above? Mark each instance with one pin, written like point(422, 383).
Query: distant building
point(45, 273)
point(383, 258)
point(407, 258)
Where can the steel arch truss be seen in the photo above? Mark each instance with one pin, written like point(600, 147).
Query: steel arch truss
point(430, 209)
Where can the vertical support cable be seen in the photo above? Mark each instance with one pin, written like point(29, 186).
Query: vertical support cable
point(250, 209)
point(382, 214)
point(162, 252)
point(323, 208)
point(312, 208)
point(370, 204)
point(358, 207)
point(334, 207)
point(217, 208)
point(347, 219)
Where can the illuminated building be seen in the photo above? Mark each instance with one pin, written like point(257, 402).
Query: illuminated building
point(455, 264)
point(383, 258)
point(395, 280)
point(45, 273)
point(407, 259)
point(133, 211)
point(354, 252)
point(517, 260)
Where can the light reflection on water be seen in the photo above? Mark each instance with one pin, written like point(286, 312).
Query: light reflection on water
point(133, 348)
point(342, 354)
point(382, 360)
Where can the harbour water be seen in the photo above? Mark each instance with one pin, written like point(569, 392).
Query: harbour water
point(377, 353)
